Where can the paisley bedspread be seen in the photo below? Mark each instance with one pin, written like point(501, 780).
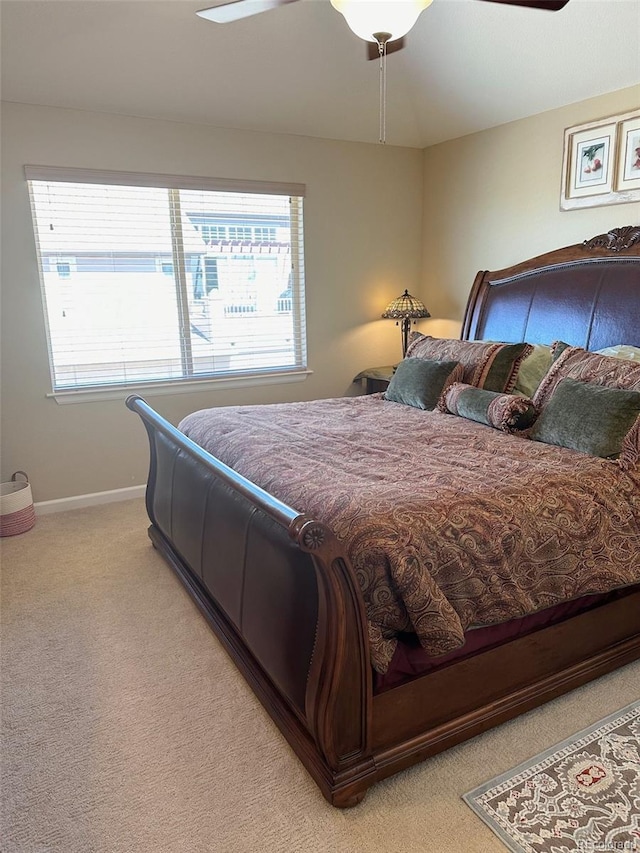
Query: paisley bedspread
point(449, 524)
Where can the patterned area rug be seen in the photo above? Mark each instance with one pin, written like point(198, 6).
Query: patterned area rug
point(580, 796)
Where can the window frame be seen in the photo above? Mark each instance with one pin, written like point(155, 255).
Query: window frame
point(188, 382)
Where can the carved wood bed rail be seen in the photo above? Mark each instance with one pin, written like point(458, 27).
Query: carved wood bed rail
point(279, 592)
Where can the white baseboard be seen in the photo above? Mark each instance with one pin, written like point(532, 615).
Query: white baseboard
point(93, 499)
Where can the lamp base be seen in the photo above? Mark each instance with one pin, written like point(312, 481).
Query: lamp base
point(405, 328)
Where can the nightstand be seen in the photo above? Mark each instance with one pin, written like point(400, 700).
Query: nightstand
point(375, 378)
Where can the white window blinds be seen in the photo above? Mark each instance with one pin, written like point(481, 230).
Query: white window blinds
point(152, 278)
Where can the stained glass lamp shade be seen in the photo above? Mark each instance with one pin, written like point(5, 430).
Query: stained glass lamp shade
point(405, 310)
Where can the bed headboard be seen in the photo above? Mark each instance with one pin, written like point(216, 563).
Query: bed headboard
point(587, 295)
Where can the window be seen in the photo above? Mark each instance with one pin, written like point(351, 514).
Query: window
point(240, 232)
point(152, 295)
point(63, 266)
point(213, 233)
point(265, 235)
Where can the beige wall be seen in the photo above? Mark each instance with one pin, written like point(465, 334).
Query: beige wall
point(377, 219)
point(363, 247)
point(492, 199)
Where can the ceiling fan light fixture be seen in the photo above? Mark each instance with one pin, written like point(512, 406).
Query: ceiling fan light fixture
point(368, 18)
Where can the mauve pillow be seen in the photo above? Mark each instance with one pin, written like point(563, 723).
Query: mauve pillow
point(488, 365)
point(578, 363)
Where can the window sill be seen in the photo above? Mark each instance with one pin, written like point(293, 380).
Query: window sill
point(156, 389)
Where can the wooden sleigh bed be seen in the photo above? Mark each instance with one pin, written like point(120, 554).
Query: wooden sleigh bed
point(280, 593)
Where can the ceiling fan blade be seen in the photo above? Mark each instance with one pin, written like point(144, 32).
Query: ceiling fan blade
point(392, 46)
point(550, 5)
point(235, 10)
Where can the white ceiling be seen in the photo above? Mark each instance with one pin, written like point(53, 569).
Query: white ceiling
point(468, 65)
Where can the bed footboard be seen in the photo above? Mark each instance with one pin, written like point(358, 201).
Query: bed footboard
point(280, 595)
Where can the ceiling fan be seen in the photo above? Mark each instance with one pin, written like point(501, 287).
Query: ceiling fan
point(396, 17)
point(382, 24)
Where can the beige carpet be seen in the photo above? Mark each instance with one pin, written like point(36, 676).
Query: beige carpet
point(126, 728)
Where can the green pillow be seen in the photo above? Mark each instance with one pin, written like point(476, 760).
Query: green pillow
point(536, 365)
point(590, 418)
point(505, 366)
point(532, 369)
point(419, 382)
point(557, 348)
point(508, 412)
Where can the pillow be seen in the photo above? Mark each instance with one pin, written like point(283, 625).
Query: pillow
point(591, 418)
point(577, 363)
point(492, 366)
point(419, 382)
point(533, 369)
point(507, 412)
point(621, 351)
point(557, 348)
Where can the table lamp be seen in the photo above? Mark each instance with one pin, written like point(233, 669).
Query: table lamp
point(404, 310)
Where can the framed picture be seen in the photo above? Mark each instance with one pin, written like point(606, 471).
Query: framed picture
point(628, 172)
point(589, 154)
point(601, 162)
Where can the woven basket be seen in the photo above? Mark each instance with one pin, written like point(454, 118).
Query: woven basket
point(17, 513)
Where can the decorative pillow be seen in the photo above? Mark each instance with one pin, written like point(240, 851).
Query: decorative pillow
point(557, 348)
point(492, 366)
point(419, 382)
point(591, 418)
point(532, 370)
point(535, 366)
point(621, 351)
point(577, 363)
point(507, 412)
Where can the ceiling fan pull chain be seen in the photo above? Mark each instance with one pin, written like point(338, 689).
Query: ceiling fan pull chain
point(382, 39)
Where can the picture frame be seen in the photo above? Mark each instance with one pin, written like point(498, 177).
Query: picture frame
point(628, 172)
point(601, 162)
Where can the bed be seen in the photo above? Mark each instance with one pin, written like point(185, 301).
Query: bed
point(283, 589)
